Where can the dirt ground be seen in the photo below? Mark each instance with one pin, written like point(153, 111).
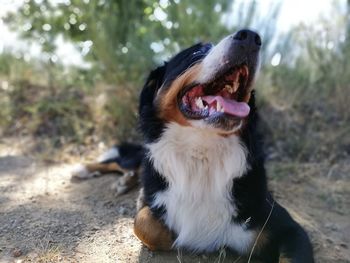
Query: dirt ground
point(46, 217)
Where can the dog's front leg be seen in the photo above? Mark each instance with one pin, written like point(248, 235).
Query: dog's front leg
point(295, 246)
point(286, 240)
point(151, 231)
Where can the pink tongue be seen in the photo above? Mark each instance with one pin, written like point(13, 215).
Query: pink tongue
point(232, 107)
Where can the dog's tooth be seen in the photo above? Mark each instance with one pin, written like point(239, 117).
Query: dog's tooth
point(229, 88)
point(222, 110)
point(218, 106)
point(199, 103)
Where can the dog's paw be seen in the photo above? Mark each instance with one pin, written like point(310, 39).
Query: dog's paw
point(125, 183)
point(81, 172)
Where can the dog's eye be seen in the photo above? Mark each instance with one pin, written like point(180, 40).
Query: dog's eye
point(203, 50)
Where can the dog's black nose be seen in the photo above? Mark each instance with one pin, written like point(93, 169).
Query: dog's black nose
point(248, 40)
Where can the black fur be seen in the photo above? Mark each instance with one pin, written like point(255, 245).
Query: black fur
point(130, 156)
point(253, 200)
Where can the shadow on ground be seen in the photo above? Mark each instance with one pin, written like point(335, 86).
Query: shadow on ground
point(46, 218)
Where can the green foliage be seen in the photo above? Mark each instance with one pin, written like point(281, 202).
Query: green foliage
point(121, 32)
point(29, 105)
point(321, 66)
point(48, 113)
point(306, 97)
point(123, 39)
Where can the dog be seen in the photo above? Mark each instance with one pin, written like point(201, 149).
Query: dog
point(203, 181)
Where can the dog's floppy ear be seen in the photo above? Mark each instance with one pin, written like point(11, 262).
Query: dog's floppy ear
point(152, 85)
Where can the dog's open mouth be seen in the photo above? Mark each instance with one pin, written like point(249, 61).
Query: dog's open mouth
point(224, 95)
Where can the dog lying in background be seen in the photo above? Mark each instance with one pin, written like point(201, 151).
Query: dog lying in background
point(124, 159)
point(203, 178)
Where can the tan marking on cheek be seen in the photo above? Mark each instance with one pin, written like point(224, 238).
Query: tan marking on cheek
point(167, 100)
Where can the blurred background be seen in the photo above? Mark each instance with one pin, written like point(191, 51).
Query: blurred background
point(71, 71)
point(70, 75)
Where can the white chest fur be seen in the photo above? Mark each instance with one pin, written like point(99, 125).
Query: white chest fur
point(200, 168)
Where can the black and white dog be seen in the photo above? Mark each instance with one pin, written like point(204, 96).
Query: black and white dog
point(203, 179)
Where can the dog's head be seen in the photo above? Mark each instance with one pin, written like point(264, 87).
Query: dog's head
point(206, 86)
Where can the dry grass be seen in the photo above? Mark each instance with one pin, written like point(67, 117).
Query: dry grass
point(49, 254)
